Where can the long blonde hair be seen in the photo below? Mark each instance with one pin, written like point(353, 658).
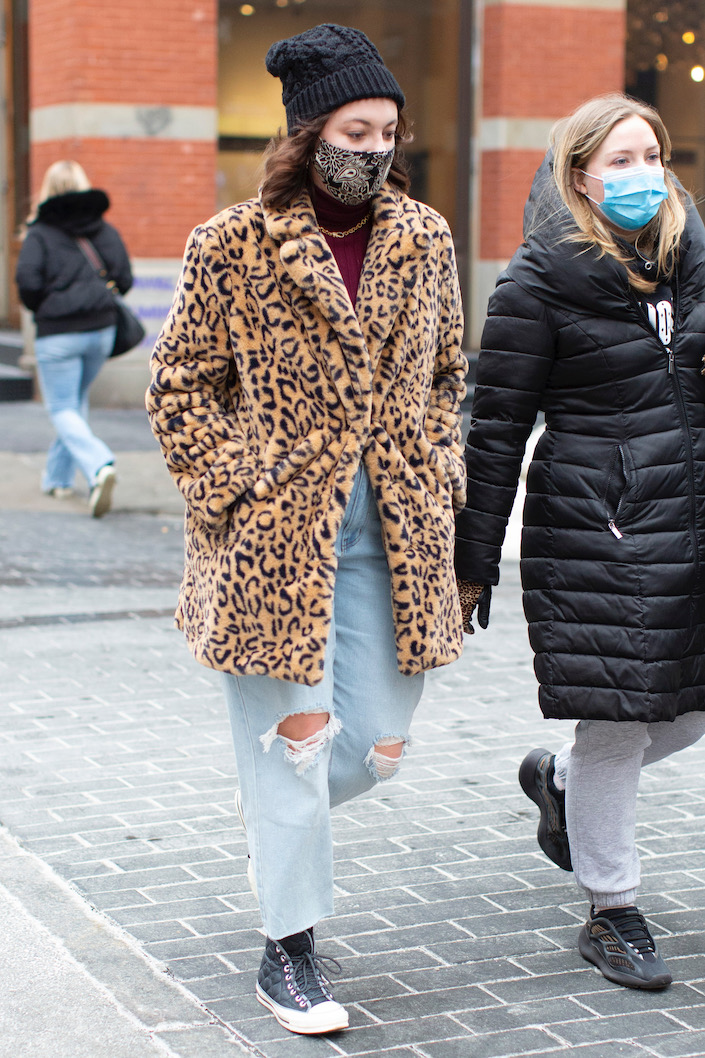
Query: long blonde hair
point(574, 140)
point(60, 177)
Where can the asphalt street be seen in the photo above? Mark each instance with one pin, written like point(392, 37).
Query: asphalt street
point(128, 926)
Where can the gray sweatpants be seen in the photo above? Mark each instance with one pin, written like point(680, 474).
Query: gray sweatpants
point(600, 772)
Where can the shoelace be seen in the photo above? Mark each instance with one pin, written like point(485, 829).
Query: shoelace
point(309, 970)
point(631, 925)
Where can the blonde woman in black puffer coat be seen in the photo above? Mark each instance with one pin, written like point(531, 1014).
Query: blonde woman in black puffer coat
point(75, 316)
point(599, 321)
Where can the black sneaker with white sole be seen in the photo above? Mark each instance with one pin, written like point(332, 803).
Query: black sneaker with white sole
point(291, 984)
point(618, 942)
point(536, 780)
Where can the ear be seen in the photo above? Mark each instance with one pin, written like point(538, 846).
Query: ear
point(579, 184)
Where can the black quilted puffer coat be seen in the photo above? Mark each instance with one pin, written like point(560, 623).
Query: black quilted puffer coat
point(613, 545)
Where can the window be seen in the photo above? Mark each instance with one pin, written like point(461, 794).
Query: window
point(666, 68)
point(422, 42)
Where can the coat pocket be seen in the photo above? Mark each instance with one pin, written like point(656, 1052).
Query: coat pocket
point(295, 461)
point(616, 489)
point(442, 461)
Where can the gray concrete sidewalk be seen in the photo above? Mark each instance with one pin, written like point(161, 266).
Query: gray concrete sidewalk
point(143, 486)
point(25, 427)
point(456, 936)
point(75, 985)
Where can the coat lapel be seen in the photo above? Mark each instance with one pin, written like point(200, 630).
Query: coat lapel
point(398, 247)
point(310, 266)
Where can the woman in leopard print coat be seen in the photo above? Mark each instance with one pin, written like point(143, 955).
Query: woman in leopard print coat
point(307, 403)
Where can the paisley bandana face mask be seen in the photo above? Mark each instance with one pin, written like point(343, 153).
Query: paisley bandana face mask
point(351, 176)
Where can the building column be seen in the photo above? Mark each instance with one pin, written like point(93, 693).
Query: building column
point(539, 62)
point(128, 90)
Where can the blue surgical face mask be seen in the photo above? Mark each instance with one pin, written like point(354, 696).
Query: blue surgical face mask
point(632, 196)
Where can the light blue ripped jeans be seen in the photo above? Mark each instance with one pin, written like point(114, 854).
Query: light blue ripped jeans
point(288, 788)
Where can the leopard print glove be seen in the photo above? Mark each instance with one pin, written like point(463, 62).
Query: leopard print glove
point(469, 594)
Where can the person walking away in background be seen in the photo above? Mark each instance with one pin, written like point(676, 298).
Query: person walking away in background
point(599, 320)
point(74, 312)
point(306, 392)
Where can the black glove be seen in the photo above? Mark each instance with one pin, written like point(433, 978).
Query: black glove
point(471, 596)
point(483, 606)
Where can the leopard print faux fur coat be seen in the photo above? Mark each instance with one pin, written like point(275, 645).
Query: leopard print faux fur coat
point(267, 392)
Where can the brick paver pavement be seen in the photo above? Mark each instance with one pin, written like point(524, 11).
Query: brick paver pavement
point(456, 936)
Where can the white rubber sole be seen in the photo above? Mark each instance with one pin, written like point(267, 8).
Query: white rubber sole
point(325, 1017)
point(102, 491)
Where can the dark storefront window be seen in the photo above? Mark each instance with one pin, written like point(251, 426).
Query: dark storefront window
point(424, 42)
point(666, 67)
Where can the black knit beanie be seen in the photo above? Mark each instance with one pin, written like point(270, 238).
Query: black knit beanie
point(326, 67)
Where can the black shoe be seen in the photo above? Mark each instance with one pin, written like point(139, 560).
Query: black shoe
point(536, 778)
point(619, 944)
point(291, 984)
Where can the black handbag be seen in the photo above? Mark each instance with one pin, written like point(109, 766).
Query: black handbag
point(129, 332)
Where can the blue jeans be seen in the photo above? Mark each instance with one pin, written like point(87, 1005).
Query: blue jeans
point(67, 364)
point(288, 788)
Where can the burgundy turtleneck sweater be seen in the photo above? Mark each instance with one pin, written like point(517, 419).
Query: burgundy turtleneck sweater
point(349, 252)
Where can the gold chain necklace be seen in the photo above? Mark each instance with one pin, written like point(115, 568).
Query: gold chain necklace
point(342, 234)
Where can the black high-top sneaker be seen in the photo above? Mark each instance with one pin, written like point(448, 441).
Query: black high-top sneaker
point(536, 780)
point(618, 942)
point(291, 984)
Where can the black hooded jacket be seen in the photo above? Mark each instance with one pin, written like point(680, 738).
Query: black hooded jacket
point(55, 278)
point(613, 545)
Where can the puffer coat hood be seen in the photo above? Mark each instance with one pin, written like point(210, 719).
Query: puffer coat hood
point(560, 273)
point(78, 213)
point(56, 281)
point(613, 546)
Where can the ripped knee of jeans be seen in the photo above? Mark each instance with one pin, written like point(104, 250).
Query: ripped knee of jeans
point(381, 765)
point(306, 752)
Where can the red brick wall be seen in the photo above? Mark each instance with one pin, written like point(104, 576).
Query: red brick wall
point(538, 63)
point(127, 51)
point(545, 61)
point(147, 53)
point(505, 179)
point(159, 189)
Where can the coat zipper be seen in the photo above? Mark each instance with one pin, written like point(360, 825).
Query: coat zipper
point(678, 390)
point(612, 523)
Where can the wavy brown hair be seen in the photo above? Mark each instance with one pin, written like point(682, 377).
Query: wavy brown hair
point(287, 161)
point(575, 139)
